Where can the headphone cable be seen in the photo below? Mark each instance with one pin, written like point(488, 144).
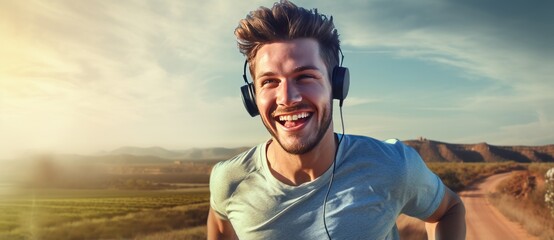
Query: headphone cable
point(332, 174)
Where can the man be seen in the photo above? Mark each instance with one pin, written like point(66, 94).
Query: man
point(307, 182)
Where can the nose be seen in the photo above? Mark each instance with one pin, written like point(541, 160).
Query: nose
point(288, 93)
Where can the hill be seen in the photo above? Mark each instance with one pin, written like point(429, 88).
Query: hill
point(435, 151)
point(430, 151)
point(218, 153)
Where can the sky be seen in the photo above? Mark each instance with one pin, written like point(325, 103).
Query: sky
point(90, 76)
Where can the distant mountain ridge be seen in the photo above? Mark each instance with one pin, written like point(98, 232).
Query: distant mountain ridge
point(435, 151)
point(189, 154)
point(150, 151)
point(430, 151)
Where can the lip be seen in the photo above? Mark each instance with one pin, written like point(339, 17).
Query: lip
point(297, 127)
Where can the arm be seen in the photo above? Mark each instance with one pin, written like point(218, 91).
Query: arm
point(219, 228)
point(448, 221)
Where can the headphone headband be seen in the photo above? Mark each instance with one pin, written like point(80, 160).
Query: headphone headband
point(244, 72)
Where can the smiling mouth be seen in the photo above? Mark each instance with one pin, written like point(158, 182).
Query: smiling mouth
point(293, 120)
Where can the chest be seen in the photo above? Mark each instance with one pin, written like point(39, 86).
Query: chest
point(354, 209)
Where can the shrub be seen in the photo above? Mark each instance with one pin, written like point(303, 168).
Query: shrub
point(451, 180)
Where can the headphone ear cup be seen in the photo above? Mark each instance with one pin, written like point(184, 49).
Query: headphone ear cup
point(341, 83)
point(248, 99)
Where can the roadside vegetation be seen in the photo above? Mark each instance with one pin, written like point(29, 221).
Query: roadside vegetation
point(457, 176)
point(521, 198)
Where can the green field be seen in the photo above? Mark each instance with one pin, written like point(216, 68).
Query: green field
point(99, 214)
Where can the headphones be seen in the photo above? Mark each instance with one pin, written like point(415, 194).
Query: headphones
point(340, 83)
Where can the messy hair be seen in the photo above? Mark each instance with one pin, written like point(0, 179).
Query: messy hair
point(286, 21)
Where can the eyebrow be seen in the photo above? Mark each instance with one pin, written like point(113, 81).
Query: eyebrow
point(298, 69)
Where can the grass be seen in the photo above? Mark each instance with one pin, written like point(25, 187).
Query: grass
point(99, 214)
point(539, 169)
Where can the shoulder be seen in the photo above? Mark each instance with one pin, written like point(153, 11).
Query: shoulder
point(227, 175)
point(390, 149)
point(390, 157)
point(236, 168)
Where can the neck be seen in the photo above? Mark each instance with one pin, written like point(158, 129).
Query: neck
point(295, 169)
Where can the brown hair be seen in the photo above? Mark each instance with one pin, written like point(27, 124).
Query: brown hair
point(286, 21)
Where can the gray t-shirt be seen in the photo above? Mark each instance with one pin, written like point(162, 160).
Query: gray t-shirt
point(374, 182)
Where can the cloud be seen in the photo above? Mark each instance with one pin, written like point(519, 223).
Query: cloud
point(354, 101)
point(483, 39)
point(101, 74)
point(538, 132)
point(140, 72)
point(508, 45)
point(511, 43)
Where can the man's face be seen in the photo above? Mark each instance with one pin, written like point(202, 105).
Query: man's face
point(293, 93)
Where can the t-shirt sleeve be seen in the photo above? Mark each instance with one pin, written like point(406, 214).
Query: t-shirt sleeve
point(423, 190)
point(226, 176)
point(218, 193)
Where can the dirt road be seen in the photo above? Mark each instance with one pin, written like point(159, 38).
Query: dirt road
point(483, 220)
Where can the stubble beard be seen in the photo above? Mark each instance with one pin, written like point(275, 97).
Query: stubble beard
point(312, 141)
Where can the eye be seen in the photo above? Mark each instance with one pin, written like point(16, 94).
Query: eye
point(306, 76)
point(268, 81)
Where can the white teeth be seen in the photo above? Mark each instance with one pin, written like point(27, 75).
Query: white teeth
point(293, 117)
